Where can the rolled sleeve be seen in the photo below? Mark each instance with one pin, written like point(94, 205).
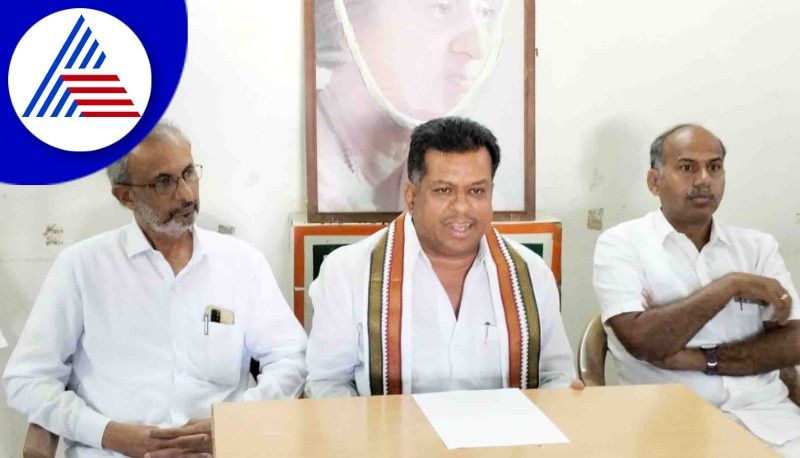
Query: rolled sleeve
point(617, 279)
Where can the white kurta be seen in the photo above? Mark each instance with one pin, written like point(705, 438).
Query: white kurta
point(440, 352)
point(649, 254)
point(128, 340)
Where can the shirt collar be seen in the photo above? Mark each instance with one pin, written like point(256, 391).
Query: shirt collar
point(663, 229)
point(136, 242)
point(413, 248)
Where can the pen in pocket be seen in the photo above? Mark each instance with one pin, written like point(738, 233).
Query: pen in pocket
point(486, 331)
point(742, 300)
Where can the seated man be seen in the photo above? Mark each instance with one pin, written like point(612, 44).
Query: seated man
point(145, 326)
point(688, 299)
point(439, 300)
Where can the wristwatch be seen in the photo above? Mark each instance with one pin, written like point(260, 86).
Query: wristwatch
point(710, 352)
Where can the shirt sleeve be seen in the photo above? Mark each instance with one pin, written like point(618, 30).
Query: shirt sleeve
point(770, 264)
point(618, 277)
point(556, 360)
point(333, 344)
point(274, 337)
point(39, 369)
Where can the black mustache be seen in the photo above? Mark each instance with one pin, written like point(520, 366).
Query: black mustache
point(702, 192)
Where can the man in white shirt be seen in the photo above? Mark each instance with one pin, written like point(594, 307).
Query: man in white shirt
point(688, 299)
point(439, 300)
point(137, 331)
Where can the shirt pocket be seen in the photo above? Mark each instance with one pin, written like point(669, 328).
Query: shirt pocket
point(485, 357)
point(747, 320)
point(214, 353)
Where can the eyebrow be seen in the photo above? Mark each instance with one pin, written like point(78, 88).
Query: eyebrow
point(693, 161)
point(447, 183)
point(167, 175)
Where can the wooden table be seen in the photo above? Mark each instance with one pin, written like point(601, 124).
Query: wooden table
point(618, 421)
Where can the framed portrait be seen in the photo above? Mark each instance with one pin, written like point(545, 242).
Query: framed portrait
point(312, 242)
point(375, 69)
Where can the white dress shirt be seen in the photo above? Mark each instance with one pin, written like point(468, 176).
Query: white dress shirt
point(128, 339)
point(440, 352)
point(649, 254)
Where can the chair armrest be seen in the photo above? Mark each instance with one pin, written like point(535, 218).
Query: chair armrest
point(592, 354)
point(39, 443)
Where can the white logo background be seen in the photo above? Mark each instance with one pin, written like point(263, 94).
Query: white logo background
point(33, 56)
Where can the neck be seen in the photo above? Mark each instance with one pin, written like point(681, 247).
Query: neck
point(450, 263)
point(698, 232)
point(172, 248)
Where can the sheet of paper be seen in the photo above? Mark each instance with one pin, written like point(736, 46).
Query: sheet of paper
point(488, 418)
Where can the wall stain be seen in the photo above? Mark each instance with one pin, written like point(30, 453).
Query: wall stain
point(53, 235)
point(252, 180)
point(223, 229)
point(594, 219)
point(597, 179)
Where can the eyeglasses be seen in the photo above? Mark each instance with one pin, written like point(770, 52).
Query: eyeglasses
point(167, 184)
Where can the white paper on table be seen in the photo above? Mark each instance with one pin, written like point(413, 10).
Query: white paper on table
point(3, 343)
point(488, 418)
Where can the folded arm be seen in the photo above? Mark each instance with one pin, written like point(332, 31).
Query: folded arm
point(778, 347)
point(660, 332)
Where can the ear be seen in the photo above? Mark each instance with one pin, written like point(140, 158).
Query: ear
point(653, 183)
point(410, 195)
point(123, 195)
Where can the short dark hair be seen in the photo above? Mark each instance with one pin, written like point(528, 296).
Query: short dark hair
point(450, 134)
point(657, 147)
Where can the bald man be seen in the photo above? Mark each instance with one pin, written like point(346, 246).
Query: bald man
point(688, 299)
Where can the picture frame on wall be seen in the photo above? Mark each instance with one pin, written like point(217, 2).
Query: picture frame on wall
point(374, 69)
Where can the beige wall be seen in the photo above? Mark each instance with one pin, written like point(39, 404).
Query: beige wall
point(610, 76)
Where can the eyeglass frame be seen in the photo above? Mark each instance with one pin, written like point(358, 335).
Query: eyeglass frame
point(198, 168)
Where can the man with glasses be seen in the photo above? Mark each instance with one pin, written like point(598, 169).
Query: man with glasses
point(137, 331)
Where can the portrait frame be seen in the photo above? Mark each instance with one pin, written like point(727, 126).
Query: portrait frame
point(527, 213)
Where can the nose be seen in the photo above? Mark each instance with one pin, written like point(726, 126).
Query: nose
point(469, 37)
point(702, 177)
point(460, 203)
point(184, 191)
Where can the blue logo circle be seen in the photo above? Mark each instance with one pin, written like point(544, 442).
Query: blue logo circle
point(79, 96)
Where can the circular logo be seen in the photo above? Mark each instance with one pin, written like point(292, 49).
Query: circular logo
point(79, 80)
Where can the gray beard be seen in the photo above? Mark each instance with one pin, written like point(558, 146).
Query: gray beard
point(171, 229)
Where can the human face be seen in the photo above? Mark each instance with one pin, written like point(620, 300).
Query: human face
point(692, 181)
point(169, 215)
point(451, 206)
point(424, 54)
